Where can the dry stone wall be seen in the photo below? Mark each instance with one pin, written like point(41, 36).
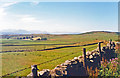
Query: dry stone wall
point(78, 65)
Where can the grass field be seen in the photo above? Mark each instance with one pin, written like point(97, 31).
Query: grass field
point(12, 61)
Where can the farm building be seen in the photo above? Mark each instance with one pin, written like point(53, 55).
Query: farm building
point(39, 38)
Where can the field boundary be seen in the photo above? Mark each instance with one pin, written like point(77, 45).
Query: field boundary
point(54, 47)
point(38, 44)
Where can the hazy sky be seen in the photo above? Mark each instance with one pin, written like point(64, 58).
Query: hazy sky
point(59, 16)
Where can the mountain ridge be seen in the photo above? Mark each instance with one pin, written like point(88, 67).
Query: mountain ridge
point(22, 32)
point(15, 32)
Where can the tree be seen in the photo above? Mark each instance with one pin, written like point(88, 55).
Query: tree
point(23, 37)
point(27, 37)
point(20, 37)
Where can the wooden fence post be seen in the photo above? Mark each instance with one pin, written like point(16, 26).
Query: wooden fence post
point(84, 54)
point(110, 41)
point(34, 71)
point(99, 47)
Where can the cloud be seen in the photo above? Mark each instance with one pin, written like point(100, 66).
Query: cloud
point(29, 19)
point(25, 21)
point(7, 4)
point(3, 7)
point(2, 13)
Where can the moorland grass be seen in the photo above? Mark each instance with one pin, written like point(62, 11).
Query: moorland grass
point(13, 61)
point(17, 61)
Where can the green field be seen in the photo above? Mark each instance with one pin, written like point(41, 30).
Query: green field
point(12, 61)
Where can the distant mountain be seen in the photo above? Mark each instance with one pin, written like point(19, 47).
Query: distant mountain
point(18, 32)
point(91, 32)
point(14, 32)
point(65, 33)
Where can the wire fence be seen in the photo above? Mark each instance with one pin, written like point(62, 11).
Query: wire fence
point(51, 59)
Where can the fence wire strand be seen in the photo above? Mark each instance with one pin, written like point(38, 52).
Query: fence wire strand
point(48, 60)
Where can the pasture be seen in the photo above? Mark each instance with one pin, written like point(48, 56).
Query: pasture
point(13, 59)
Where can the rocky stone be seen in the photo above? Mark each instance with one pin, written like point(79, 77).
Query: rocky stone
point(57, 72)
point(75, 58)
point(107, 47)
point(90, 57)
point(68, 61)
point(44, 72)
point(62, 64)
point(91, 61)
point(88, 53)
point(80, 57)
point(103, 48)
point(66, 64)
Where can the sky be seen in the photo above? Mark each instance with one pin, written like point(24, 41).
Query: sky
point(59, 16)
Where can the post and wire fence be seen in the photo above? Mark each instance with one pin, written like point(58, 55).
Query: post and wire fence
point(84, 52)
